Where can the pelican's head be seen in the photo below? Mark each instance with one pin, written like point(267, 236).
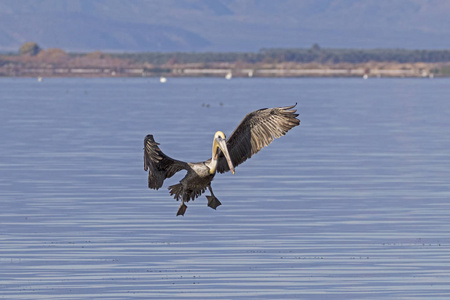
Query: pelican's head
point(220, 143)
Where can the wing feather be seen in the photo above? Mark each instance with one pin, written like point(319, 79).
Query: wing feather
point(257, 130)
point(159, 165)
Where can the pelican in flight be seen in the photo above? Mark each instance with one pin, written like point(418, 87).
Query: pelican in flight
point(257, 130)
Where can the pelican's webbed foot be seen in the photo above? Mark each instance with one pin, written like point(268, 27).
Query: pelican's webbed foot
point(213, 202)
point(182, 209)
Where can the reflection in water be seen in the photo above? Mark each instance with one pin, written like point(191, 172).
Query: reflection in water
point(354, 204)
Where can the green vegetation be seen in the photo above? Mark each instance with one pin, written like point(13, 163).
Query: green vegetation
point(159, 58)
point(358, 55)
point(29, 48)
point(315, 54)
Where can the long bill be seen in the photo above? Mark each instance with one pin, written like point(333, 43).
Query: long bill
point(223, 146)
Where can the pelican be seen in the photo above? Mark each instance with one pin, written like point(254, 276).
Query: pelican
point(257, 130)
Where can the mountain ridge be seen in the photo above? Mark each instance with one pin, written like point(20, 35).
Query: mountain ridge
point(223, 25)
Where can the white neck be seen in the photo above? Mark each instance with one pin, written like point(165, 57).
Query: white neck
point(215, 154)
point(213, 166)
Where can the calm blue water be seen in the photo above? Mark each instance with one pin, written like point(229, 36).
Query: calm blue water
point(354, 203)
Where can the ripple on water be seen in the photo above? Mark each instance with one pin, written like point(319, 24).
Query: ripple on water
point(352, 204)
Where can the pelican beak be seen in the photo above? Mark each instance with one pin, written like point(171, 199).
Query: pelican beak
point(223, 146)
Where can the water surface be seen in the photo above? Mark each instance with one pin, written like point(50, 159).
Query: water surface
point(352, 204)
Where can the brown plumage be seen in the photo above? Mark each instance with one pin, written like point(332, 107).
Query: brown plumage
point(257, 130)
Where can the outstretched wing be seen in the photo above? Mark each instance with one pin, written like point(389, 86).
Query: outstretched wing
point(257, 130)
point(159, 165)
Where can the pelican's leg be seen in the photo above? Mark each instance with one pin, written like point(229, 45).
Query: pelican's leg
point(183, 206)
point(213, 202)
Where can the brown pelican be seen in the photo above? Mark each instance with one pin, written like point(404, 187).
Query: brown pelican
point(257, 130)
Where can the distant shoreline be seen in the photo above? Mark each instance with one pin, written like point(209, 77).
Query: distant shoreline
point(314, 62)
point(230, 71)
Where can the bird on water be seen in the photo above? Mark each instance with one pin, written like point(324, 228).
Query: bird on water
point(257, 130)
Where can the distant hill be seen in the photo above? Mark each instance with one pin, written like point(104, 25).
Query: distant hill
point(223, 25)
